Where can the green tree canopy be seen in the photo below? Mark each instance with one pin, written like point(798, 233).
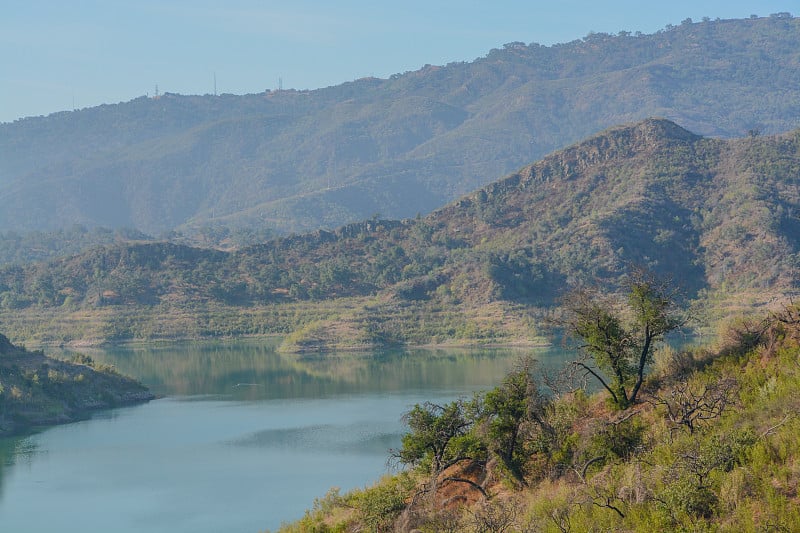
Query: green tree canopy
point(616, 337)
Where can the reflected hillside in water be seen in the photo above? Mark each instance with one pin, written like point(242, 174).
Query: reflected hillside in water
point(14, 451)
point(251, 370)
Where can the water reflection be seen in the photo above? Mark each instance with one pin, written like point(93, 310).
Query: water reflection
point(351, 439)
point(15, 451)
point(254, 370)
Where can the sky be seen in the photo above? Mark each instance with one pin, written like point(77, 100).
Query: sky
point(58, 55)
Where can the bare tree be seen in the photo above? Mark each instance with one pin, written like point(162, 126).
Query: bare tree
point(689, 404)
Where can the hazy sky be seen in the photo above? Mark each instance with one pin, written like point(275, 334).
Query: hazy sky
point(57, 55)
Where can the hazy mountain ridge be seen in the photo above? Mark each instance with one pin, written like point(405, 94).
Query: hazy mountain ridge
point(301, 160)
point(718, 216)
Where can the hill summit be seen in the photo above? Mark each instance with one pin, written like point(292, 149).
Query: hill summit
point(717, 216)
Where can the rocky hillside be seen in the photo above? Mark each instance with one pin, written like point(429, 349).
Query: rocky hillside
point(298, 161)
point(717, 216)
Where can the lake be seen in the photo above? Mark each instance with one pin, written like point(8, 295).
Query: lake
point(242, 440)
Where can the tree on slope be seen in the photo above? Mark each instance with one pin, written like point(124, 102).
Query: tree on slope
point(617, 339)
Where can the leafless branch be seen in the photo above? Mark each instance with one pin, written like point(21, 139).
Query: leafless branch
point(688, 405)
point(469, 482)
point(776, 426)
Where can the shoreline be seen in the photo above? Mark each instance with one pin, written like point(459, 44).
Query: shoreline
point(39, 391)
point(78, 344)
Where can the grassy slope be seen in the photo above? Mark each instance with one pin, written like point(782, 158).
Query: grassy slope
point(634, 471)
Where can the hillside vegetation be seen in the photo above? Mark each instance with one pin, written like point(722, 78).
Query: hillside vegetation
point(718, 216)
point(298, 161)
point(36, 390)
point(31, 246)
point(711, 446)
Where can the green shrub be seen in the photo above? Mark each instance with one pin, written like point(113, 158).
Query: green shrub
point(617, 440)
point(380, 505)
point(687, 496)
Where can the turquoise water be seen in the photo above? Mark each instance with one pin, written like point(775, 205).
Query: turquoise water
point(243, 438)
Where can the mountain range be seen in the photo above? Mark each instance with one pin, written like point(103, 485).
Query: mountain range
point(717, 216)
point(294, 161)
